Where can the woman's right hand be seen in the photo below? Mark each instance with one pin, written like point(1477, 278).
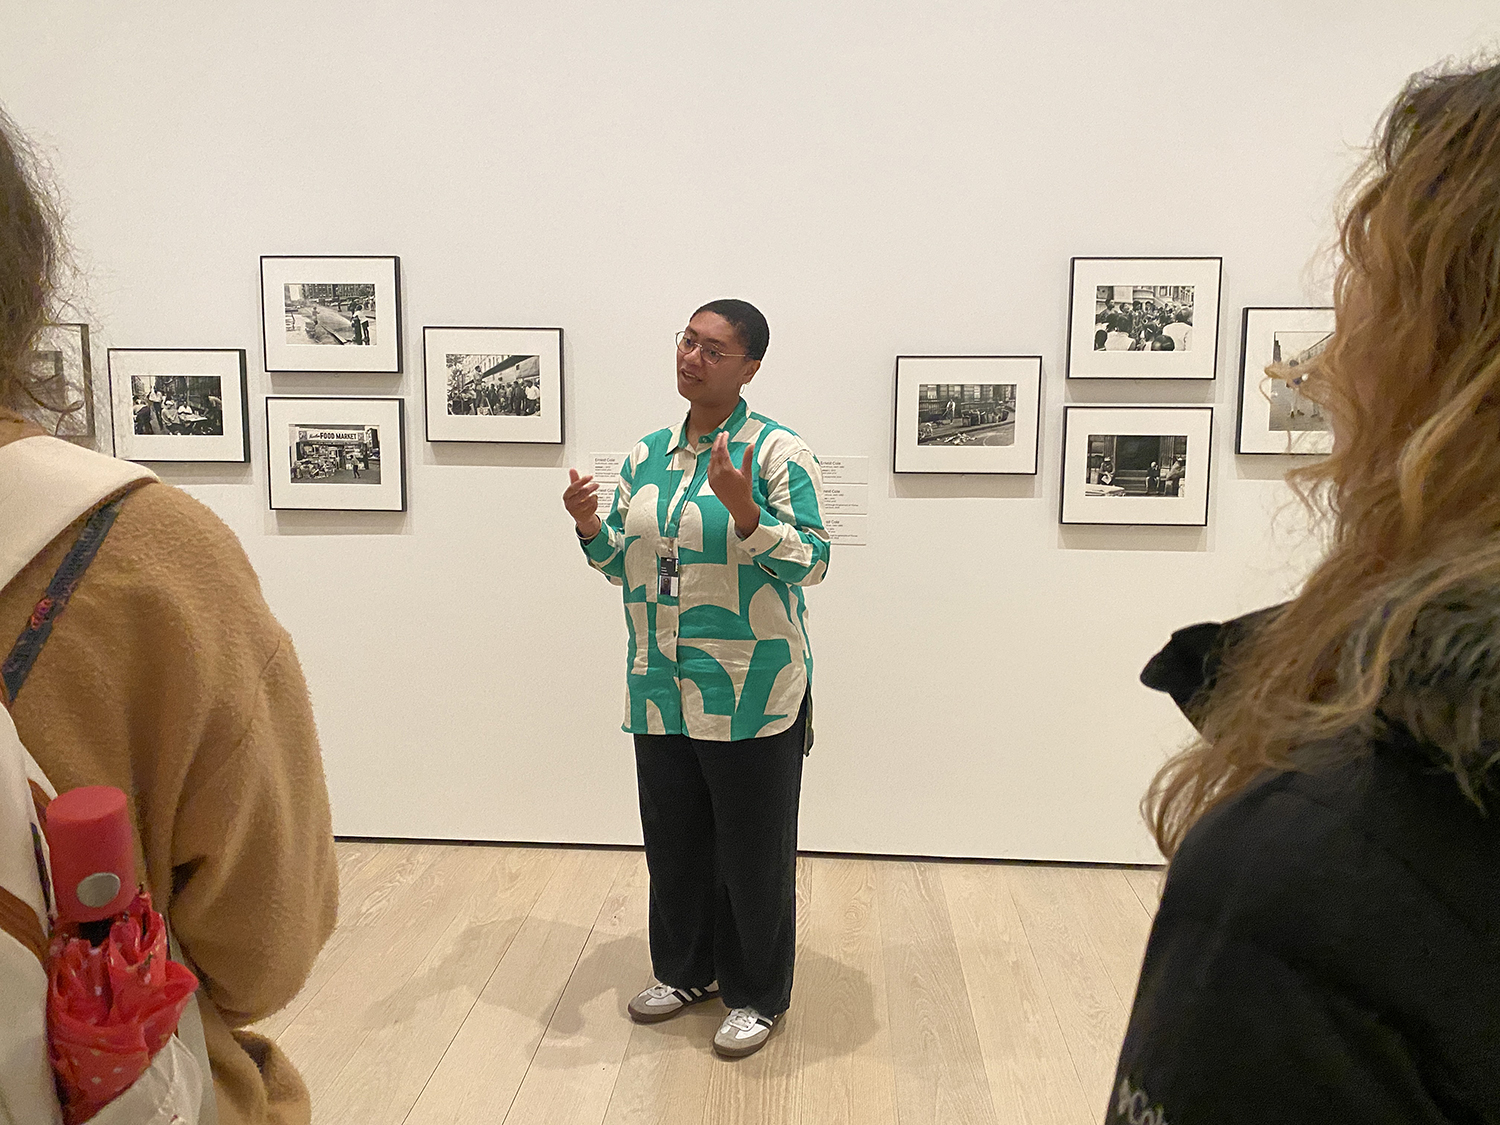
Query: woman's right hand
point(581, 500)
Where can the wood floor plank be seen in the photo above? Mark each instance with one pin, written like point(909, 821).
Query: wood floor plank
point(663, 1079)
point(939, 1068)
point(848, 1076)
point(1031, 1072)
point(367, 892)
point(765, 1088)
point(1054, 914)
point(365, 1012)
point(573, 1073)
point(1116, 925)
point(1147, 883)
point(486, 1061)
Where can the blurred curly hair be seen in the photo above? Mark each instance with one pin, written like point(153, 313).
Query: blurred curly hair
point(1410, 494)
point(30, 261)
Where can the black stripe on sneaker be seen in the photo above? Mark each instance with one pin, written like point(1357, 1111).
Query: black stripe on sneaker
point(681, 995)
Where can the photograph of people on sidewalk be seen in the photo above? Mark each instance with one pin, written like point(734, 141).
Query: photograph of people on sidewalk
point(179, 404)
point(325, 313)
point(967, 413)
point(329, 313)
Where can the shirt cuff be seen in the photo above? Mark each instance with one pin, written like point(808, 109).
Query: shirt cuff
point(765, 537)
point(598, 547)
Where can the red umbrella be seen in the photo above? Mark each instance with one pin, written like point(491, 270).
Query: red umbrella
point(114, 995)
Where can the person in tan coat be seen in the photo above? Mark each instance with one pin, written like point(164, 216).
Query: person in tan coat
point(168, 677)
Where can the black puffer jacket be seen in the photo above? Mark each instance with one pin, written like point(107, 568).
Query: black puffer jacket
point(1328, 944)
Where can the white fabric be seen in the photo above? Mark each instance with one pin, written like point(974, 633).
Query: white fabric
point(46, 484)
point(167, 1094)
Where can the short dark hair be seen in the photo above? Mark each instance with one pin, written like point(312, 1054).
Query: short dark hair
point(746, 320)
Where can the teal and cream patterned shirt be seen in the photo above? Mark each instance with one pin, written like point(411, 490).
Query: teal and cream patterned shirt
point(728, 657)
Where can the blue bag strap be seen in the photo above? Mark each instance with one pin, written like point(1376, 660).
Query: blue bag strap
point(60, 590)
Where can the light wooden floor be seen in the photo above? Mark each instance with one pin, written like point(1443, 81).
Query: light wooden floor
point(488, 985)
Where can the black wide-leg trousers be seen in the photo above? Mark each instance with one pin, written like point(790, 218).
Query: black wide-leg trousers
point(720, 822)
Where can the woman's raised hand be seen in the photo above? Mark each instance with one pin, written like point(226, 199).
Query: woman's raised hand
point(581, 500)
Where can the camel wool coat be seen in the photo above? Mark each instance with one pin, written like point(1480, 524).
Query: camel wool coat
point(168, 677)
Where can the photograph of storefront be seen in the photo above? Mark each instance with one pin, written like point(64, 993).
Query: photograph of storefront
point(966, 414)
point(1136, 464)
point(335, 454)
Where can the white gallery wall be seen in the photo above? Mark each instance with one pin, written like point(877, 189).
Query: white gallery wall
point(881, 179)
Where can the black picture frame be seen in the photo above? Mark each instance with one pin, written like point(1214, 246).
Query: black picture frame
point(910, 456)
point(232, 446)
point(1094, 363)
point(1184, 510)
point(386, 357)
point(1251, 439)
point(547, 427)
point(302, 412)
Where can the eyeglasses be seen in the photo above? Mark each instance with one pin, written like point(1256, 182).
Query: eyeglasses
point(711, 355)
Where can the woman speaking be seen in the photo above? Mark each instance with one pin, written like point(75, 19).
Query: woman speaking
point(716, 528)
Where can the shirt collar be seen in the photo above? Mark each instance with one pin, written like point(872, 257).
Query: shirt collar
point(730, 425)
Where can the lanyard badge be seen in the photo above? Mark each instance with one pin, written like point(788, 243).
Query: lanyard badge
point(668, 573)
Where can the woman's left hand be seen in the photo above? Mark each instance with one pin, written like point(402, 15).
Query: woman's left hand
point(732, 486)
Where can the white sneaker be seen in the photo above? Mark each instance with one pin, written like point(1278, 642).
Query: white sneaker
point(743, 1032)
point(662, 1001)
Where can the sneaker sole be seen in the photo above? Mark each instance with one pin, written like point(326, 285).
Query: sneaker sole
point(657, 1017)
point(732, 1052)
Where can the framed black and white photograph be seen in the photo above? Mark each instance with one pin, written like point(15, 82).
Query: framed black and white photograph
point(336, 454)
point(64, 387)
point(1136, 464)
point(1144, 318)
point(1278, 348)
point(179, 404)
point(324, 313)
point(493, 384)
point(967, 413)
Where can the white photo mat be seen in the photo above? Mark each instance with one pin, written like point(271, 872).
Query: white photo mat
point(1200, 358)
point(1300, 329)
point(545, 427)
point(386, 415)
point(227, 365)
point(1188, 508)
point(382, 356)
point(1024, 373)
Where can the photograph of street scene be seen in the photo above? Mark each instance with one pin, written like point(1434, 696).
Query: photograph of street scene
point(1136, 465)
point(508, 385)
point(1290, 408)
point(966, 414)
point(330, 312)
point(1138, 318)
point(335, 454)
point(174, 405)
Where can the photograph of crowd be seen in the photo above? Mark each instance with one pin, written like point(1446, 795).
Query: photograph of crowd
point(330, 313)
point(966, 414)
point(331, 454)
point(1138, 318)
point(498, 385)
point(1136, 465)
point(1290, 408)
point(176, 405)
